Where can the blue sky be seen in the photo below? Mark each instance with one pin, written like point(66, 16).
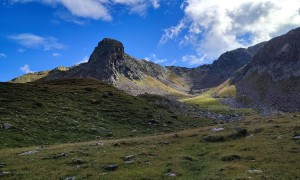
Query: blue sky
point(38, 35)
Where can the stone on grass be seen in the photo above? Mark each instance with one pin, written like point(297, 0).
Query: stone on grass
point(7, 126)
point(110, 167)
point(296, 137)
point(29, 152)
point(78, 162)
point(240, 133)
point(129, 162)
point(70, 178)
point(231, 158)
point(217, 129)
point(4, 173)
point(213, 139)
point(254, 171)
point(56, 156)
point(166, 142)
point(128, 158)
point(188, 158)
point(170, 174)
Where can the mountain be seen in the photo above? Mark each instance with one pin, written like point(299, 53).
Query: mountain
point(111, 64)
point(271, 80)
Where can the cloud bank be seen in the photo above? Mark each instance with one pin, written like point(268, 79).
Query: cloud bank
point(214, 26)
point(94, 9)
point(26, 69)
point(2, 55)
point(29, 40)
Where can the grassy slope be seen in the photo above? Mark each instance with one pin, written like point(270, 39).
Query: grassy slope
point(270, 149)
point(150, 82)
point(78, 110)
point(210, 100)
point(30, 77)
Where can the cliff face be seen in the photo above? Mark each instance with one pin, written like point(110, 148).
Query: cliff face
point(272, 78)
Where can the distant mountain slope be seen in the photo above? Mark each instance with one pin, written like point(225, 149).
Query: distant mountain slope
point(111, 64)
point(271, 80)
point(212, 75)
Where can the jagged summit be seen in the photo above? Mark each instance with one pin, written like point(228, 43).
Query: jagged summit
point(108, 49)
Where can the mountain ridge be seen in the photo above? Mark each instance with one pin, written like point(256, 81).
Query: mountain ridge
point(111, 64)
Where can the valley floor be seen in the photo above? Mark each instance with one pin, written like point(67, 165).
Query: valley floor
point(256, 147)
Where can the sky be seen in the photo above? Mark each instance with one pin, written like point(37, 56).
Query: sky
point(37, 35)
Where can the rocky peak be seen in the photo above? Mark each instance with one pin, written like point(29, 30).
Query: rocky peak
point(107, 49)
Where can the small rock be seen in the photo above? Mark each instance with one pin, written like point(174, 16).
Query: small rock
point(56, 156)
point(296, 137)
point(147, 162)
point(213, 139)
point(2, 165)
point(239, 134)
point(78, 162)
point(4, 173)
point(188, 158)
point(99, 144)
point(116, 144)
point(217, 129)
point(29, 152)
point(7, 126)
point(250, 136)
point(254, 171)
point(128, 158)
point(129, 162)
point(110, 167)
point(154, 122)
point(166, 142)
point(231, 158)
point(70, 178)
point(170, 174)
point(193, 135)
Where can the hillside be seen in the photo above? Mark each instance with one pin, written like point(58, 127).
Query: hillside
point(72, 110)
point(270, 81)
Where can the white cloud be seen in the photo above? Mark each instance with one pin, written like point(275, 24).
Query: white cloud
point(21, 50)
point(56, 54)
point(193, 60)
point(172, 32)
point(34, 41)
point(172, 63)
point(154, 59)
point(215, 26)
point(2, 55)
point(94, 9)
point(155, 4)
point(84, 60)
point(26, 69)
point(138, 6)
point(87, 9)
